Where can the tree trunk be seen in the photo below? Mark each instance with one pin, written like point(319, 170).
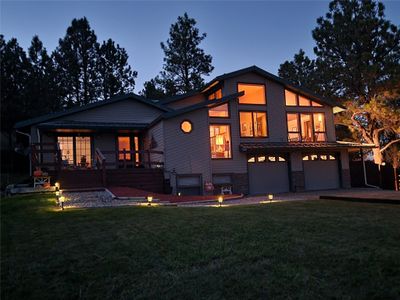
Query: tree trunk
point(396, 180)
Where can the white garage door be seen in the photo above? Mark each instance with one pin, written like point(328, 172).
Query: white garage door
point(268, 174)
point(321, 171)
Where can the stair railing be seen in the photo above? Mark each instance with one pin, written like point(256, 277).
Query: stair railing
point(101, 165)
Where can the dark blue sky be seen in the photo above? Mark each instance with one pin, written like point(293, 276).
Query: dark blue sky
point(239, 33)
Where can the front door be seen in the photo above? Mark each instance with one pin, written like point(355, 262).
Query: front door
point(126, 145)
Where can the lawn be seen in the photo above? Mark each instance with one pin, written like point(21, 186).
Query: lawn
point(302, 250)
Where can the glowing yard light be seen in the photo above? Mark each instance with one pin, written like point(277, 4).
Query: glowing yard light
point(57, 185)
point(179, 194)
point(149, 200)
point(220, 200)
point(62, 200)
point(270, 197)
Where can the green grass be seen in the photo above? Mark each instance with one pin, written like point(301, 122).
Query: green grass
point(302, 250)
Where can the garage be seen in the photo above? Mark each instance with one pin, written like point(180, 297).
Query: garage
point(268, 174)
point(321, 171)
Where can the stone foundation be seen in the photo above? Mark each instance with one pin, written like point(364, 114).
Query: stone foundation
point(240, 182)
point(297, 182)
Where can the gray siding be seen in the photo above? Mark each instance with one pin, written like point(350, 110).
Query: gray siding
point(128, 111)
point(157, 134)
point(188, 153)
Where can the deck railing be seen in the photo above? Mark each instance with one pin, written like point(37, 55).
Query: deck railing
point(51, 150)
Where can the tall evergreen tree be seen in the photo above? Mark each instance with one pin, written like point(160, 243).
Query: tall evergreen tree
point(358, 63)
point(184, 62)
point(115, 73)
point(42, 87)
point(14, 74)
point(76, 58)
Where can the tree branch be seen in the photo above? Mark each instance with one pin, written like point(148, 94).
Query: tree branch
point(388, 145)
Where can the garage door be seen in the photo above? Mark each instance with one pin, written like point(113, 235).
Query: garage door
point(268, 174)
point(321, 171)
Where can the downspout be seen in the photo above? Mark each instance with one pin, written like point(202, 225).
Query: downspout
point(30, 154)
point(365, 172)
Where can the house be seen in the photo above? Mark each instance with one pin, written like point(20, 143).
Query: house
point(248, 131)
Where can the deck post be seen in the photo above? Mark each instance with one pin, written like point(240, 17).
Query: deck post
point(124, 153)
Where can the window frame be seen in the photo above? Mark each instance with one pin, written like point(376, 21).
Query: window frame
point(191, 126)
point(300, 126)
point(252, 124)
point(230, 136)
point(298, 100)
point(74, 135)
point(229, 111)
point(253, 83)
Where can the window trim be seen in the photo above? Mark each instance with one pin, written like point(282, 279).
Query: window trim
point(191, 126)
point(74, 135)
point(229, 111)
point(298, 100)
point(252, 124)
point(300, 126)
point(253, 83)
point(230, 136)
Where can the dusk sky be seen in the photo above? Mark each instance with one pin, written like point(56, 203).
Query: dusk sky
point(239, 34)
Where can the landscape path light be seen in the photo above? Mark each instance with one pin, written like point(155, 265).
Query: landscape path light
point(149, 200)
point(220, 200)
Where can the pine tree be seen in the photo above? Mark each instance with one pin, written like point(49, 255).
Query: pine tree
point(115, 73)
point(184, 61)
point(76, 58)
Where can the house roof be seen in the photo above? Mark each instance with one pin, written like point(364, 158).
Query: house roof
point(272, 77)
point(179, 97)
point(273, 146)
point(74, 110)
point(204, 104)
point(91, 125)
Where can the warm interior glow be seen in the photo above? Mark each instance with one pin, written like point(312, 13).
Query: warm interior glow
point(75, 150)
point(137, 158)
point(319, 127)
point(215, 95)
point(304, 101)
point(253, 124)
point(186, 126)
point(313, 103)
point(293, 127)
point(306, 128)
point(253, 93)
point(220, 141)
point(220, 111)
point(124, 142)
point(290, 98)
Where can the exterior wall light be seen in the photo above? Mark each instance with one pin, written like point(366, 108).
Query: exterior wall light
point(57, 185)
point(149, 200)
point(179, 194)
point(220, 200)
point(270, 197)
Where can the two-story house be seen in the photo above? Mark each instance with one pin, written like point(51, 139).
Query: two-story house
point(248, 130)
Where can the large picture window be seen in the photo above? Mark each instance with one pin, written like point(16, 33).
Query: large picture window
point(220, 141)
point(306, 127)
point(253, 124)
point(75, 150)
point(253, 93)
point(215, 95)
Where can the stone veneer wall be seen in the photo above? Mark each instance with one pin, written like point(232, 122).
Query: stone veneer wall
point(346, 179)
point(240, 182)
point(297, 182)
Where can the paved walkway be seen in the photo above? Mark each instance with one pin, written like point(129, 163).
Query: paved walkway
point(363, 193)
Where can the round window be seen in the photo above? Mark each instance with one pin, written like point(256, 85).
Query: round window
point(186, 126)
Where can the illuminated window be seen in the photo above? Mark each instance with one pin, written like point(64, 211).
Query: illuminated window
point(186, 126)
point(293, 127)
point(253, 93)
point(220, 141)
point(261, 158)
point(251, 159)
point(271, 158)
point(76, 150)
point(253, 124)
point(306, 127)
point(304, 101)
point(319, 127)
point(280, 158)
point(323, 157)
point(221, 111)
point(216, 95)
point(290, 98)
point(305, 157)
point(315, 104)
point(124, 143)
point(331, 157)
